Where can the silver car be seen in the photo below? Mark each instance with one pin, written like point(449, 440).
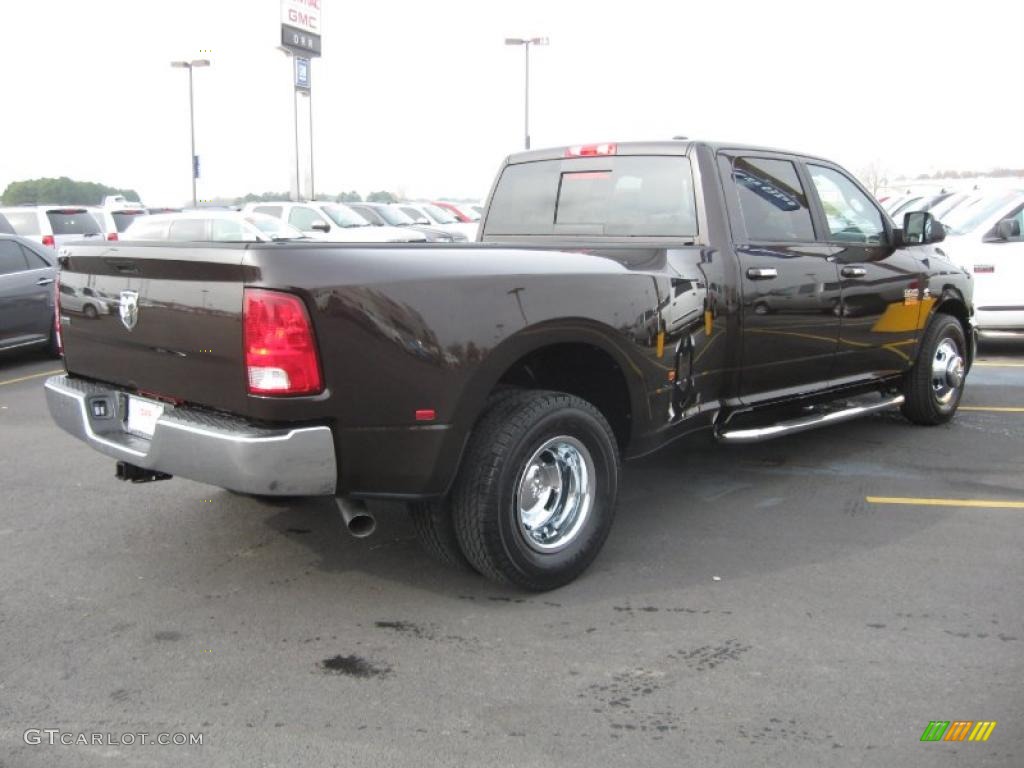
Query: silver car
point(27, 274)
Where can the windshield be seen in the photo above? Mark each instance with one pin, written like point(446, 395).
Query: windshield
point(440, 215)
point(274, 228)
point(393, 216)
point(967, 218)
point(344, 216)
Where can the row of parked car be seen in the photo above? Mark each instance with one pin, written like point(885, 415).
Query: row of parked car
point(444, 222)
point(983, 235)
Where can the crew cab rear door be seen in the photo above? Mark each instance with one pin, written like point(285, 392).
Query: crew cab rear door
point(789, 287)
point(883, 297)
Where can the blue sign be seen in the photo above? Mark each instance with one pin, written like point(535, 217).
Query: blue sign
point(195, 166)
point(302, 74)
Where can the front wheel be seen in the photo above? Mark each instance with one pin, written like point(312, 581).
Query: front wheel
point(535, 499)
point(935, 384)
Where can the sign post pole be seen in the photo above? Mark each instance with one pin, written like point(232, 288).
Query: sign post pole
point(300, 38)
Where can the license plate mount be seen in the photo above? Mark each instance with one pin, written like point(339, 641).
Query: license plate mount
point(143, 415)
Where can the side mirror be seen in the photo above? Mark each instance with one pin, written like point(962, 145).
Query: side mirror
point(921, 228)
point(1007, 229)
point(320, 226)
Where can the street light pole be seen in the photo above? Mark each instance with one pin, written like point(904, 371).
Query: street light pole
point(190, 65)
point(526, 42)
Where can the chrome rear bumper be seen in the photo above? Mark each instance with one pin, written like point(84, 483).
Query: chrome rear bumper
point(208, 447)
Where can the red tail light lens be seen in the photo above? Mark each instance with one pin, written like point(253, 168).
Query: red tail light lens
point(591, 150)
point(280, 350)
point(56, 316)
point(112, 236)
point(49, 241)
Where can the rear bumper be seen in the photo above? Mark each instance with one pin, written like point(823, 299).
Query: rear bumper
point(200, 445)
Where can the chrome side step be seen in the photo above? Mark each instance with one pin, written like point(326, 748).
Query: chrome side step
point(791, 427)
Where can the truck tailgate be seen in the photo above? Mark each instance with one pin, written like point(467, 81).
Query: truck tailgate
point(156, 320)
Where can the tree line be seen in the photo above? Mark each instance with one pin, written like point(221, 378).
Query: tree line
point(48, 191)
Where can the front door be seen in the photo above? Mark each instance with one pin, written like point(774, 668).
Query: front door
point(790, 289)
point(883, 288)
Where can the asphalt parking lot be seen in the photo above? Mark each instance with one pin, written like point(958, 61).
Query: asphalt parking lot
point(752, 607)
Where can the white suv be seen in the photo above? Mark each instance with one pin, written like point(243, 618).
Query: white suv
point(53, 225)
point(334, 222)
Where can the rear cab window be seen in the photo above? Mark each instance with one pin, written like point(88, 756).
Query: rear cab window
point(619, 196)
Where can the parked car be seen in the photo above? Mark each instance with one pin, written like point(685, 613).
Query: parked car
point(334, 222)
point(609, 309)
point(53, 225)
point(27, 274)
point(217, 226)
point(460, 211)
point(382, 214)
point(986, 240)
point(430, 215)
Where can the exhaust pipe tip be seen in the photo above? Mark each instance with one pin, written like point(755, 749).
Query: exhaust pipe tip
point(356, 517)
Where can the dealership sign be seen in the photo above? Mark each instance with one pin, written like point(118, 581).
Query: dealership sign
point(301, 25)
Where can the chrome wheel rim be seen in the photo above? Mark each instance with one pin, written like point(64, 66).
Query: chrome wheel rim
point(947, 371)
point(554, 494)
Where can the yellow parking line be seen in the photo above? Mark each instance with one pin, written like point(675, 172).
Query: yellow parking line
point(33, 376)
point(992, 408)
point(945, 502)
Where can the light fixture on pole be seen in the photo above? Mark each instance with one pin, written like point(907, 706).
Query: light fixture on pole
point(190, 65)
point(526, 42)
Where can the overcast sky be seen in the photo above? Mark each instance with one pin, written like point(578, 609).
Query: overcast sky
point(425, 99)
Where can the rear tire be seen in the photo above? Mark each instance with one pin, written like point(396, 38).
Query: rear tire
point(934, 386)
point(435, 531)
point(535, 498)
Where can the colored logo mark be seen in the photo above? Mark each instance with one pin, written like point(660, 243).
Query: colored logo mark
point(958, 730)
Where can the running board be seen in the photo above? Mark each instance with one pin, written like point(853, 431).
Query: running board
point(791, 427)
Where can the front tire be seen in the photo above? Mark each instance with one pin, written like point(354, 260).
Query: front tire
point(535, 499)
point(934, 386)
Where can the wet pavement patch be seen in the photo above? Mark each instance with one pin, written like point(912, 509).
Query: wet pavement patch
point(354, 666)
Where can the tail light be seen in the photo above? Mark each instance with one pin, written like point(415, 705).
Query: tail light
point(49, 241)
point(56, 316)
point(112, 236)
point(280, 350)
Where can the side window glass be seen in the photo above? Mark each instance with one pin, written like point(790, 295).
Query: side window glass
point(1016, 232)
point(850, 214)
point(227, 231)
point(270, 210)
point(303, 218)
point(772, 200)
point(11, 258)
point(35, 261)
point(187, 230)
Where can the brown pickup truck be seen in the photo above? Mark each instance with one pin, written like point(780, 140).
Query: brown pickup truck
point(622, 296)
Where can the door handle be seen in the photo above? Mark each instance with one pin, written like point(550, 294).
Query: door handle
point(853, 272)
point(759, 273)
point(44, 281)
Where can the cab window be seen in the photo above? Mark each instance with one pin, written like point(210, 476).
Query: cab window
point(849, 213)
point(772, 200)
